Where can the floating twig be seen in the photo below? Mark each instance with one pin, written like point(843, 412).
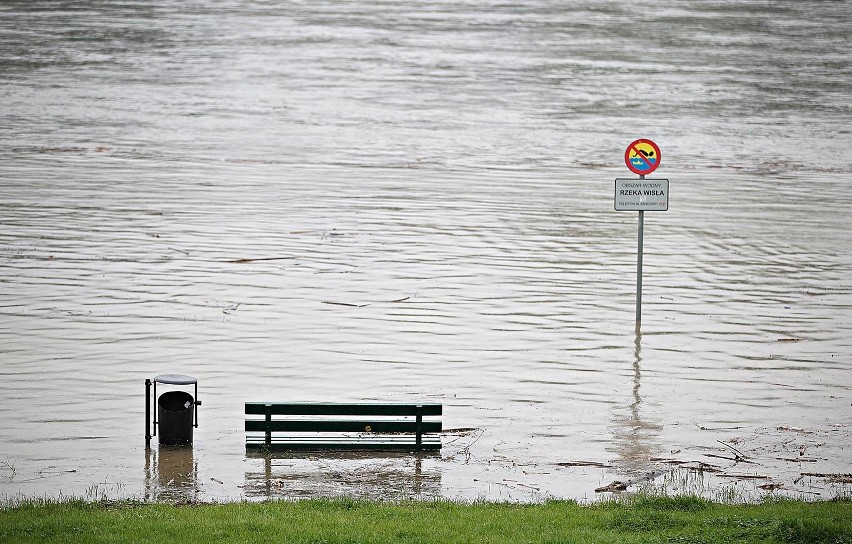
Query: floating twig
point(243, 261)
point(7, 465)
point(797, 459)
point(705, 467)
point(352, 305)
point(667, 460)
point(740, 455)
point(519, 484)
point(745, 476)
point(717, 428)
point(466, 450)
point(834, 478)
point(720, 456)
point(734, 459)
point(344, 304)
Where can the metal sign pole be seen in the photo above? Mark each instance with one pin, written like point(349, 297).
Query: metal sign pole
point(639, 274)
point(639, 268)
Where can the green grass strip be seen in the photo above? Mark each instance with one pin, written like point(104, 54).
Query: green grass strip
point(647, 519)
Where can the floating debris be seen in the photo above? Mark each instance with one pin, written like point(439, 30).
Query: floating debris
point(740, 456)
point(794, 430)
point(704, 467)
point(364, 305)
point(718, 428)
point(594, 464)
point(735, 459)
point(667, 460)
point(345, 304)
point(744, 476)
point(797, 459)
point(612, 487)
point(251, 260)
point(833, 478)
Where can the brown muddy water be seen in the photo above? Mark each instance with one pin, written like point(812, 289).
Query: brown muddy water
point(414, 201)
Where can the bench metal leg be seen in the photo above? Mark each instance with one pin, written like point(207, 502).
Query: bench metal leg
point(267, 472)
point(268, 440)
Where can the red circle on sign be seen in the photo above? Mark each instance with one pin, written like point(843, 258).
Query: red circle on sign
point(642, 156)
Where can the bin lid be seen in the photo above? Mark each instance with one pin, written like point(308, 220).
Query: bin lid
point(175, 379)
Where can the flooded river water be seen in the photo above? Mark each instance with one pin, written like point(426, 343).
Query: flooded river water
point(414, 201)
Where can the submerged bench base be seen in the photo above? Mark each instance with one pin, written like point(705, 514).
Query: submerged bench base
point(377, 443)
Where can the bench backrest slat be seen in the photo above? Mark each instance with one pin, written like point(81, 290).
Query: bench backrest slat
point(343, 409)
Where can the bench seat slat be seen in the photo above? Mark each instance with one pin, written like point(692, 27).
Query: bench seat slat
point(343, 409)
point(343, 426)
point(344, 444)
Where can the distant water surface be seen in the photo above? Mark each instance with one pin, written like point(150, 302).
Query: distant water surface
point(414, 201)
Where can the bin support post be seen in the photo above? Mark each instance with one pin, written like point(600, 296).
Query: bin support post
point(147, 413)
point(195, 401)
point(155, 411)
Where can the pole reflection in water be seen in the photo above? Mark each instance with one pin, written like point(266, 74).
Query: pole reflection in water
point(171, 473)
point(635, 437)
point(376, 475)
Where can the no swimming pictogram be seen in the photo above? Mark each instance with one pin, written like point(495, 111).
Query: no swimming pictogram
point(642, 156)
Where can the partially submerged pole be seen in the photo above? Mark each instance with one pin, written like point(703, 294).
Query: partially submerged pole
point(639, 270)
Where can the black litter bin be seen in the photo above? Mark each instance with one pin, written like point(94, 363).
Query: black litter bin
point(174, 414)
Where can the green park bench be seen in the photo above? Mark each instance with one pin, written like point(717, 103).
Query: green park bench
point(342, 426)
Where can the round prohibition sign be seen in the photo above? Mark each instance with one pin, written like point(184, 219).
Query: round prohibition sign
point(642, 156)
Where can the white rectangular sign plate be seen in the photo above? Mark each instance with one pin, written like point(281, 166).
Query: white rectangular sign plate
point(643, 195)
